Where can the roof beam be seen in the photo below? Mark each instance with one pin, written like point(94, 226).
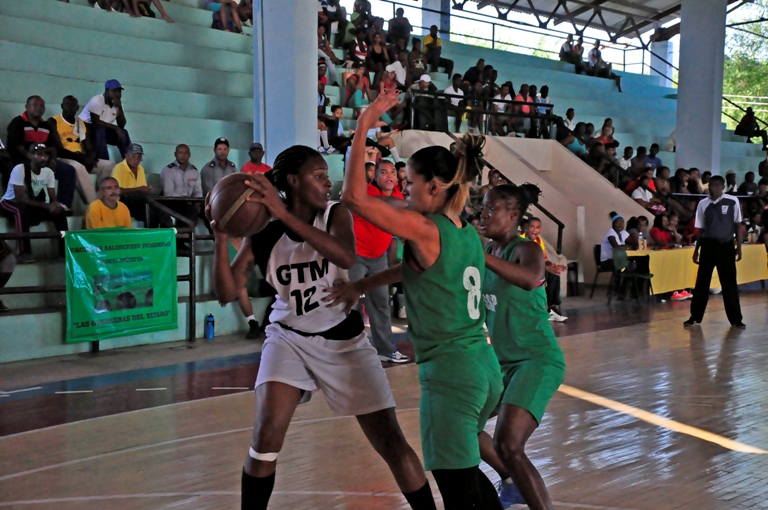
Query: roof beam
point(636, 27)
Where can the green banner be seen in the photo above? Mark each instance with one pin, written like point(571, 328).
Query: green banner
point(120, 282)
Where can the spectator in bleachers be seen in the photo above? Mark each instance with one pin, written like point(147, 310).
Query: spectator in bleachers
point(523, 124)
point(694, 182)
point(626, 161)
point(570, 53)
point(680, 182)
point(336, 137)
point(574, 141)
point(637, 227)
point(330, 12)
point(762, 167)
point(749, 128)
point(474, 74)
point(30, 128)
point(105, 118)
point(606, 137)
point(399, 27)
point(434, 46)
point(325, 52)
point(322, 69)
point(638, 162)
point(139, 8)
point(389, 82)
point(358, 50)
point(705, 177)
point(31, 199)
point(455, 104)
point(652, 160)
point(608, 123)
point(475, 101)
point(569, 122)
point(589, 134)
point(7, 265)
point(490, 87)
point(133, 183)
point(661, 179)
point(762, 193)
point(108, 211)
point(255, 165)
point(599, 67)
point(219, 167)
point(384, 142)
point(73, 147)
point(595, 157)
point(543, 99)
point(749, 186)
point(181, 178)
point(226, 15)
point(632, 185)
point(400, 68)
point(498, 121)
point(394, 49)
point(358, 89)
point(377, 59)
point(644, 197)
point(416, 62)
point(730, 183)
point(552, 271)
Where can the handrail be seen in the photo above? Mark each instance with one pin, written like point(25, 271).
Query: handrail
point(552, 217)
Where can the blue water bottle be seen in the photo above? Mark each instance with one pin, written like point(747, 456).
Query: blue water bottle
point(209, 323)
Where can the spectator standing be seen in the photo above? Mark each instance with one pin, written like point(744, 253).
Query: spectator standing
point(7, 265)
point(718, 217)
point(372, 245)
point(434, 46)
point(31, 199)
point(749, 186)
point(219, 167)
point(625, 162)
point(749, 128)
point(106, 122)
point(181, 179)
point(652, 160)
point(399, 27)
point(108, 211)
point(552, 271)
point(455, 104)
point(255, 166)
point(30, 128)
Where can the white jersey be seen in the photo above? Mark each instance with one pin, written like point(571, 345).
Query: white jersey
point(298, 274)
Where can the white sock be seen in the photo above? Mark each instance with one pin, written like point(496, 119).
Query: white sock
point(324, 138)
point(319, 143)
point(395, 155)
point(250, 318)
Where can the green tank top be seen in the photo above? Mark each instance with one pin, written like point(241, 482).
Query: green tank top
point(517, 319)
point(444, 302)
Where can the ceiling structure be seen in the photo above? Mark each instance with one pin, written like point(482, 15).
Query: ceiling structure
point(617, 18)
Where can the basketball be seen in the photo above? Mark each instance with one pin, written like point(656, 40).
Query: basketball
point(233, 214)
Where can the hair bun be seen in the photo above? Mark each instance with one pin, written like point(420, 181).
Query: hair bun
point(612, 214)
point(469, 150)
point(532, 192)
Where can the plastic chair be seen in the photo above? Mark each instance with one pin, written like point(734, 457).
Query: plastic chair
point(596, 254)
point(620, 264)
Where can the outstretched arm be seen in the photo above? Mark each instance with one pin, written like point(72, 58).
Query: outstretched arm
point(527, 272)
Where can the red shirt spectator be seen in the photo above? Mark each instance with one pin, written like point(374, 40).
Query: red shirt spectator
point(255, 166)
point(372, 242)
point(660, 235)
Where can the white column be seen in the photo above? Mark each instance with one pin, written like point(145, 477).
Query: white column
point(699, 103)
point(285, 74)
point(660, 68)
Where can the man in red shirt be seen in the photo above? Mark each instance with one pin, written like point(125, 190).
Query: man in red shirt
point(372, 245)
point(255, 166)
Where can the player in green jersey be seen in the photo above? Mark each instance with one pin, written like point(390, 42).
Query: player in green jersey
point(522, 336)
point(442, 274)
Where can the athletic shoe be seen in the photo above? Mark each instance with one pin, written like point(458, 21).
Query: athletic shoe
point(3, 308)
point(556, 317)
point(253, 331)
point(715, 291)
point(332, 150)
point(25, 258)
point(739, 325)
point(690, 322)
point(686, 294)
point(395, 357)
point(677, 296)
point(322, 151)
point(509, 495)
point(401, 313)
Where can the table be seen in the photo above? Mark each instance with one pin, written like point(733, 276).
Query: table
point(674, 269)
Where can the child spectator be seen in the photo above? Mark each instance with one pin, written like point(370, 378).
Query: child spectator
point(532, 231)
point(108, 211)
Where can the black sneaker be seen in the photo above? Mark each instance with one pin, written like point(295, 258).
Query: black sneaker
point(690, 322)
point(254, 330)
point(3, 308)
point(739, 325)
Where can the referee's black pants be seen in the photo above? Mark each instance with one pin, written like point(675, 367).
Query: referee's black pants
point(715, 254)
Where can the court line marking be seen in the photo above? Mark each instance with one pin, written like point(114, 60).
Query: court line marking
point(151, 389)
point(230, 388)
point(199, 494)
point(659, 421)
point(72, 392)
point(5, 393)
point(169, 442)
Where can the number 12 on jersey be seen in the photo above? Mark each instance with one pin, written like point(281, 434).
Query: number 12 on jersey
point(307, 305)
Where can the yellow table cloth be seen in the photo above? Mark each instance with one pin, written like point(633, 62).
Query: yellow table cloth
point(674, 269)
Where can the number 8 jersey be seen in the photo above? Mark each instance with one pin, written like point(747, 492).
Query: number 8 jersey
point(444, 302)
point(298, 274)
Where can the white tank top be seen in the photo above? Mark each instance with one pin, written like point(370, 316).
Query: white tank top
point(299, 274)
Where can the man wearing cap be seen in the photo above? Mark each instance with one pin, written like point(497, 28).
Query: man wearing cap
point(434, 48)
point(105, 118)
point(133, 182)
point(30, 128)
point(219, 167)
point(255, 166)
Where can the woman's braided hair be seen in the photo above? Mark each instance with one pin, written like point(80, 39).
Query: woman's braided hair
point(289, 162)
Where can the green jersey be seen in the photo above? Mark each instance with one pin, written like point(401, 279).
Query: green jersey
point(518, 321)
point(444, 302)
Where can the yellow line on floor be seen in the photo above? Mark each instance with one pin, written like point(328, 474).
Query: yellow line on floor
point(659, 421)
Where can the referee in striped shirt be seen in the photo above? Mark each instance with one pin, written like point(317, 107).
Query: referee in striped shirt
point(717, 218)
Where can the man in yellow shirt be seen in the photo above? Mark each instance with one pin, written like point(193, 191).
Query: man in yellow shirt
point(107, 211)
point(433, 47)
point(532, 231)
point(133, 183)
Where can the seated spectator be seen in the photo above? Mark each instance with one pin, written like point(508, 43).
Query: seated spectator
point(625, 162)
point(606, 137)
point(523, 124)
point(569, 122)
point(632, 185)
point(73, 147)
point(589, 134)
point(325, 52)
point(608, 123)
point(219, 167)
point(31, 199)
point(762, 193)
point(133, 184)
point(660, 232)
point(434, 46)
point(595, 157)
point(402, 179)
point(674, 225)
point(474, 74)
point(637, 228)
point(475, 105)
point(456, 106)
point(749, 128)
point(399, 27)
point(730, 183)
point(384, 142)
point(336, 137)
point(358, 50)
point(358, 89)
point(139, 8)
point(652, 160)
point(661, 181)
point(226, 15)
point(543, 99)
point(705, 176)
point(552, 273)
point(377, 59)
point(490, 87)
point(599, 67)
point(694, 182)
point(356, 26)
point(255, 166)
point(108, 211)
point(30, 128)
point(749, 186)
point(638, 165)
point(394, 49)
point(330, 12)
point(416, 60)
point(680, 183)
point(497, 122)
point(572, 54)
point(573, 142)
point(7, 265)
point(400, 68)
point(644, 196)
point(106, 120)
point(421, 103)
point(614, 239)
point(181, 179)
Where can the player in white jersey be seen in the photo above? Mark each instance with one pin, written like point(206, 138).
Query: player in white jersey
point(307, 246)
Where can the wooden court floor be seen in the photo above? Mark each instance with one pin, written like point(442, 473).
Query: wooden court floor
point(651, 416)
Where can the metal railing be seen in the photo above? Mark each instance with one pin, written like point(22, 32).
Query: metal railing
point(181, 233)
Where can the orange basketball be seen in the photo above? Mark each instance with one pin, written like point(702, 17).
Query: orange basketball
point(233, 214)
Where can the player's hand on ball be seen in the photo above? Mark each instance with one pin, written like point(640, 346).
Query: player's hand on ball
point(344, 292)
point(267, 195)
point(214, 227)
